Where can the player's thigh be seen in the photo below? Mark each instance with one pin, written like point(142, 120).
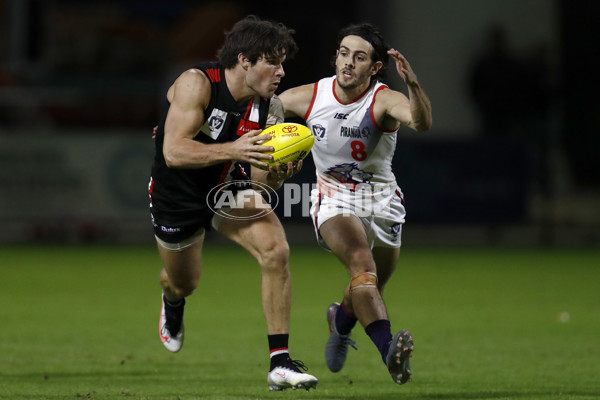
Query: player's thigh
point(346, 237)
point(183, 266)
point(386, 259)
point(259, 232)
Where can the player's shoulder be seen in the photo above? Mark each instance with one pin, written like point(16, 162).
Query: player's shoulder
point(299, 91)
point(384, 91)
point(193, 76)
point(296, 101)
point(191, 86)
point(385, 96)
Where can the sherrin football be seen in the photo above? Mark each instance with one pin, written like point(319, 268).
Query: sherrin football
point(291, 142)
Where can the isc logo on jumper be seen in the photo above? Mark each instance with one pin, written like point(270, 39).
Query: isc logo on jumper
point(340, 116)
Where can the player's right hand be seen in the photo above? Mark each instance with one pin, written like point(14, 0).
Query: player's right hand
point(248, 148)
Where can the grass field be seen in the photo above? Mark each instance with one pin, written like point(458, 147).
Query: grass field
point(81, 323)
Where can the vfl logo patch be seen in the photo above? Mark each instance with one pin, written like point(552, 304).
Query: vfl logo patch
point(215, 123)
point(319, 131)
point(395, 229)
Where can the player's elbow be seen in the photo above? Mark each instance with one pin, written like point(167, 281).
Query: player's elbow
point(424, 122)
point(171, 163)
point(171, 159)
point(423, 126)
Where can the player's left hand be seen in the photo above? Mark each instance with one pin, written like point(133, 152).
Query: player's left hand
point(403, 67)
point(282, 172)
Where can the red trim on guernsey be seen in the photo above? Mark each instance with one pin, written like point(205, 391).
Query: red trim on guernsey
point(248, 110)
point(224, 172)
point(373, 116)
point(312, 101)
point(246, 125)
point(242, 170)
point(353, 101)
point(400, 195)
point(279, 349)
point(317, 211)
point(214, 74)
point(150, 190)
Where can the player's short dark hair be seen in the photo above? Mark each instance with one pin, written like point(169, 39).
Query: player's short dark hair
point(255, 38)
point(371, 34)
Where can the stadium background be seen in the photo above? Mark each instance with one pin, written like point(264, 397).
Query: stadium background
point(81, 84)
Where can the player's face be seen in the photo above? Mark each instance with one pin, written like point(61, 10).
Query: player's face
point(353, 64)
point(264, 76)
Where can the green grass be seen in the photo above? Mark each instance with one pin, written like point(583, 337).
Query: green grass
point(81, 323)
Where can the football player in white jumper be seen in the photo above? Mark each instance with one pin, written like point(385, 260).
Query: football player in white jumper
point(357, 207)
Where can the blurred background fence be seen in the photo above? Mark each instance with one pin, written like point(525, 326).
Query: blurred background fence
point(513, 157)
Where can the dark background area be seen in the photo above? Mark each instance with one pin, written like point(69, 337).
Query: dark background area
point(87, 74)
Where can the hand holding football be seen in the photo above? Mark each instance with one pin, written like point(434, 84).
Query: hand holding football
point(290, 141)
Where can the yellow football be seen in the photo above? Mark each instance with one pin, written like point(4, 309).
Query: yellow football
point(291, 142)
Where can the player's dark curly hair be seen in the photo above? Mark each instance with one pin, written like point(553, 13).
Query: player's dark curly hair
point(254, 38)
point(372, 35)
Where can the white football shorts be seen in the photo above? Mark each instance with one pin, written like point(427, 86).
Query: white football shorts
point(382, 216)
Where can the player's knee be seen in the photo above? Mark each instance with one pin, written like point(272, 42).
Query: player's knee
point(360, 257)
point(179, 287)
point(186, 289)
point(363, 280)
point(275, 255)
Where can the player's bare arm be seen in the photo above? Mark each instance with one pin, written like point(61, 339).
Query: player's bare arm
point(414, 111)
point(189, 96)
point(276, 113)
point(297, 100)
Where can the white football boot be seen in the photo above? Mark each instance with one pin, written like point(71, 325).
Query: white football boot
point(289, 375)
point(172, 343)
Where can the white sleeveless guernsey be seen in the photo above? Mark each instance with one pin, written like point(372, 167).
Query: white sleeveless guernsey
point(349, 147)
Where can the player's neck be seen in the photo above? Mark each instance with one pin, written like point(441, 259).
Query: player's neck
point(349, 95)
point(234, 79)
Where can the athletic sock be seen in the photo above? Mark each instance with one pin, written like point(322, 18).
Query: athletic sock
point(381, 334)
point(278, 349)
point(344, 320)
point(174, 314)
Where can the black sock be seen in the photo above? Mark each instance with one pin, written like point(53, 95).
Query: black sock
point(380, 333)
point(344, 322)
point(174, 314)
point(278, 349)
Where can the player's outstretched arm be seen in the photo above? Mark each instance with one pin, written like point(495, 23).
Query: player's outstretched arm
point(297, 100)
point(275, 115)
point(419, 104)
